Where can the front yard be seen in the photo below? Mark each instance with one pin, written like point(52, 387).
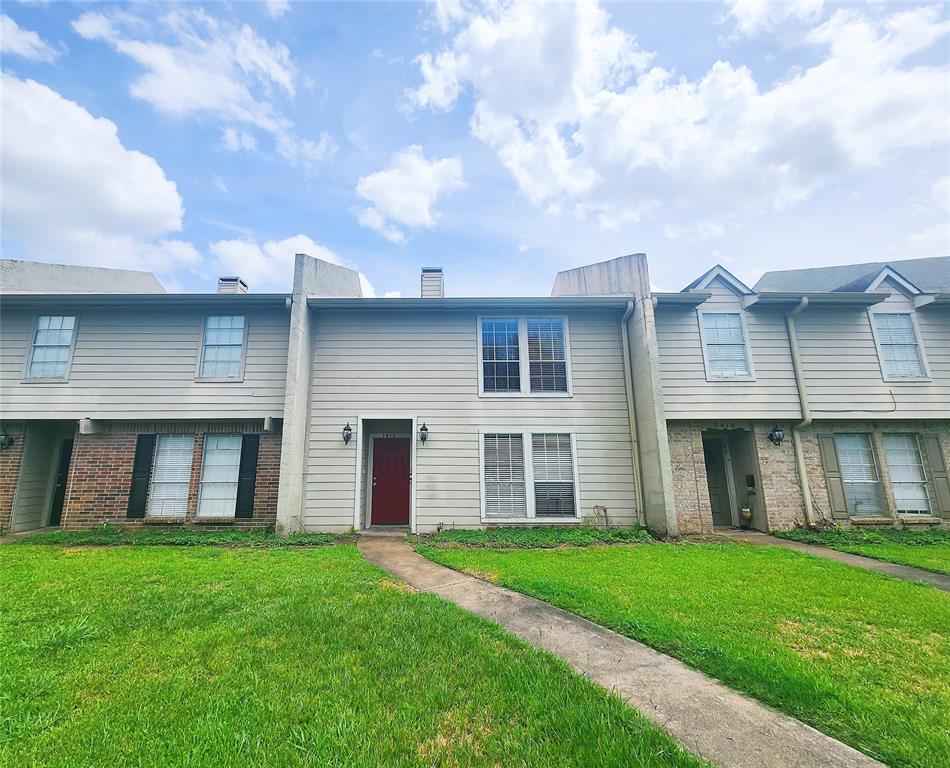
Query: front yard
point(861, 657)
point(201, 656)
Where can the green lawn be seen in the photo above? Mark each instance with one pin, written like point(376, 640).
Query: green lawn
point(860, 656)
point(929, 549)
point(212, 656)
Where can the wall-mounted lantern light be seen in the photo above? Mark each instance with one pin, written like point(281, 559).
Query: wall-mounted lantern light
point(6, 440)
point(777, 435)
point(423, 433)
point(347, 433)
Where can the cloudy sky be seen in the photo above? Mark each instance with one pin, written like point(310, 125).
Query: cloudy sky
point(502, 141)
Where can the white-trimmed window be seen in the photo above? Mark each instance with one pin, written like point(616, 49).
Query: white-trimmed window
point(52, 349)
point(220, 464)
point(524, 356)
point(905, 466)
point(171, 472)
point(222, 347)
point(862, 485)
point(543, 487)
point(725, 341)
point(898, 345)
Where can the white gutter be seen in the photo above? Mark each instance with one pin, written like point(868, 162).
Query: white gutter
point(631, 415)
point(806, 410)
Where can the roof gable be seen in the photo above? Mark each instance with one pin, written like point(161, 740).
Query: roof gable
point(724, 276)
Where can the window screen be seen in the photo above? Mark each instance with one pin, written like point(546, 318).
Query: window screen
point(553, 475)
point(504, 477)
point(725, 342)
point(52, 345)
point(217, 496)
point(862, 487)
point(908, 476)
point(171, 471)
point(546, 356)
point(500, 356)
point(900, 355)
point(222, 347)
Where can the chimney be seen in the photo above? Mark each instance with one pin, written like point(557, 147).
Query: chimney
point(433, 284)
point(231, 284)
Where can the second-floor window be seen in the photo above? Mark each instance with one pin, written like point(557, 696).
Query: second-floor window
point(524, 355)
point(898, 346)
point(222, 347)
point(52, 348)
point(725, 346)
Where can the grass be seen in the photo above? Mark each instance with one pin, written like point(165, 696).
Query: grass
point(214, 656)
point(537, 537)
point(182, 537)
point(860, 656)
point(928, 549)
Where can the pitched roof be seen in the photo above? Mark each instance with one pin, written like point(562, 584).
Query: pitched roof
point(930, 275)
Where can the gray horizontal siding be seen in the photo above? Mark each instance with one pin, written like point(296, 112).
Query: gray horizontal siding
point(426, 364)
point(136, 364)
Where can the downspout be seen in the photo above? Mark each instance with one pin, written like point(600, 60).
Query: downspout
point(806, 410)
point(631, 414)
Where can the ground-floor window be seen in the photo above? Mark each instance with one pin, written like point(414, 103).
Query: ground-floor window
point(549, 475)
point(171, 471)
point(862, 485)
point(220, 464)
point(908, 475)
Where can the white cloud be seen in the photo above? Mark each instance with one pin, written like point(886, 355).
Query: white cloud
point(392, 295)
point(270, 265)
point(23, 42)
point(576, 113)
point(198, 65)
point(754, 17)
point(234, 139)
point(277, 8)
point(404, 193)
point(72, 193)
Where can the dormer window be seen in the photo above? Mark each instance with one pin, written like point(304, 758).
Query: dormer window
point(726, 351)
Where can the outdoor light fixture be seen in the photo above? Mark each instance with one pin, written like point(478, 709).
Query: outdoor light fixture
point(6, 440)
point(423, 433)
point(777, 435)
point(347, 433)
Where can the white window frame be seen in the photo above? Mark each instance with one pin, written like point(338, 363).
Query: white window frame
point(924, 469)
point(27, 379)
point(201, 349)
point(201, 476)
point(878, 474)
point(149, 513)
point(524, 364)
point(527, 450)
point(710, 376)
point(921, 352)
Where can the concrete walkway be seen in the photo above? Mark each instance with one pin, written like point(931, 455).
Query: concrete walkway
point(905, 572)
point(703, 715)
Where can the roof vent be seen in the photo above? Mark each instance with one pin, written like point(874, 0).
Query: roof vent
point(433, 284)
point(231, 284)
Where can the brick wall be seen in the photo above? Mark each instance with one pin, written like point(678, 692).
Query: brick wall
point(10, 471)
point(101, 473)
point(690, 490)
point(781, 491)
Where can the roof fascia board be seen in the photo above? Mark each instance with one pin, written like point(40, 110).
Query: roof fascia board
point(853, 298)
point(687, 298)
point(897, 277)
point(554, 302)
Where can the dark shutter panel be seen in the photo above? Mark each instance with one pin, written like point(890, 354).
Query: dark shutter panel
point(829, 462)
point(938, 474)
point(141, 472)
point(247, 476)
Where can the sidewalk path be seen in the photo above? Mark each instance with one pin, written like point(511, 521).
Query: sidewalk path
point(938, 580)
point(703, 715)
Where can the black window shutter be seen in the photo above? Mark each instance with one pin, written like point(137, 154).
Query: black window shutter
point(141, 473)
point(247, 476)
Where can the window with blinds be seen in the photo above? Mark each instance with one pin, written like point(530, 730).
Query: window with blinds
point(171, 471)
point(52, 347)
point(222, 349)
point(862, 486)
point(726, 348)
point(505, 495)
point(220, 464)
point(898, 346)
point(553, 467)
point(908, 475)
point(547, 363)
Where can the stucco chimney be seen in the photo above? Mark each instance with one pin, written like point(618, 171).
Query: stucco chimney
point(231, 284)
point(433, 284)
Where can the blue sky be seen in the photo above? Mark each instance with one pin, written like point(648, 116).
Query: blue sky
point(501, 141)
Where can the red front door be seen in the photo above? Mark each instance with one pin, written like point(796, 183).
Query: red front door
point(390, 481)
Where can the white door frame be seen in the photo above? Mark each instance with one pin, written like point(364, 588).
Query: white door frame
point(358, 524)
